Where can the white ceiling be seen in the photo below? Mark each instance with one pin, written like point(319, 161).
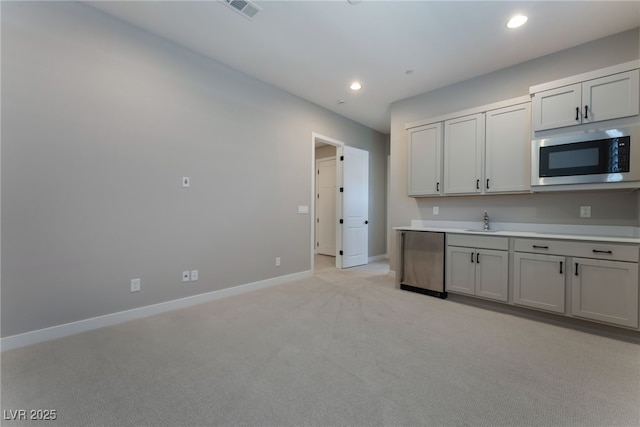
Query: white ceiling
point(314, 49)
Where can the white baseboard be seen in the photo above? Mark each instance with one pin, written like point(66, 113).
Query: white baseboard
point(60, 331)
point(377, 257)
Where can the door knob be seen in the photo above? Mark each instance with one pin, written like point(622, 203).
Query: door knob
point(366, 222)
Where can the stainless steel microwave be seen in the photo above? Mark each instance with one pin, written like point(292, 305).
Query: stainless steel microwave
point(607, 156)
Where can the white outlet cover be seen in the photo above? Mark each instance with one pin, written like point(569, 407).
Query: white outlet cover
point(436, 210)
point(186, 276)
point(585, 211)
point(135, 285)
point(277, 261)
point(303, 209)
point(194, 275)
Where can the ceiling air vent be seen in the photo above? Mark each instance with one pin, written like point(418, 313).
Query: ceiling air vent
point(244, 7)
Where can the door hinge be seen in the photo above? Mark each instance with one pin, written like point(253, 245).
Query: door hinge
point(340, 253)
point(342, 158)
point(318, 244)
point(318, 220)
point(341, 221)
point(342, 189)
point(318, 171)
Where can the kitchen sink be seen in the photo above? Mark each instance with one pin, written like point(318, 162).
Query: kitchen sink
point(482, 231)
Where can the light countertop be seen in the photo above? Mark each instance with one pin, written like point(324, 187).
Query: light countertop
point(614, 234)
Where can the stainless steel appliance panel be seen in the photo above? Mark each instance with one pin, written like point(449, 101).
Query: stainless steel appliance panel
point(582, 158)
point(423, 262)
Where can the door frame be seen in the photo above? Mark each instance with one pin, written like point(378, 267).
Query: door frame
point(338, 144)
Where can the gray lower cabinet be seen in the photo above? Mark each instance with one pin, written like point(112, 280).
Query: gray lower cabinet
point(605, 290)
point(539, 281)
point(476, 270)
point(600, 278)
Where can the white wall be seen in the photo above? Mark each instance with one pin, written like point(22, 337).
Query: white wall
point(100, 121)
point(608, 208)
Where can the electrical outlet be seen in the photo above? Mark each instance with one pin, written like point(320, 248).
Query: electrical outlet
point(436, 210)
point(277, 261)
point(194, 275)
point(135, 285)
point(186, 276)
point(585, 211)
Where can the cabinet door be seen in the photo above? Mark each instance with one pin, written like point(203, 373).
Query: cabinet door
point(611, 97)
point(492, 269)
point(463, 147)
point(425, 156)
point(539, 281)
point(605, 290)
point(508, 149)
point(555, 108)
point(461, 270)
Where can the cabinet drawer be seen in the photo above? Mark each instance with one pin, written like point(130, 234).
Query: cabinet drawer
point(484, 242)
point(598, 250)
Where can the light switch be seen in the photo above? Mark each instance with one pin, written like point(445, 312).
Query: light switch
point(303, 209)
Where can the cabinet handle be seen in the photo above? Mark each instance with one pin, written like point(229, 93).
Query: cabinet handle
point(577, 113)
point(596, 251)
point(560, 267)
point(472, 257)
point(477, 184)
point(478, 257)
point(487, 183)
point(576, 273)
point(586, 111)
point(540, 247)
point(437, 186)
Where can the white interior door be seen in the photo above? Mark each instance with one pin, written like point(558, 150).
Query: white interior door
point(326, 206)
point(355, 206)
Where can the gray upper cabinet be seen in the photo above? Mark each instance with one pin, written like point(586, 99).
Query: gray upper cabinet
point(463, 148)
point(508, 149)
point(425, 157)
point(600, 95)
point(482, 150)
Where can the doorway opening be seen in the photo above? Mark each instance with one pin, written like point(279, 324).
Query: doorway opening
point(340, 204)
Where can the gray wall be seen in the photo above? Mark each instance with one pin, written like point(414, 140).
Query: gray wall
point(608, 208)
point(99, 123)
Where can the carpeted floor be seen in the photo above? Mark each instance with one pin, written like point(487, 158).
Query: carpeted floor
point(344, 348)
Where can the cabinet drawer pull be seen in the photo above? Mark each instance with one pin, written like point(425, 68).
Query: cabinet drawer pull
point(477, 184)
point(471, 256)
point(576, 273)
point(586, 111)
point(577, 113)
point(437, 186)
point(560, 267)
point(596, 251)
point(540, 247)
point(487, 183)
point(478, 258)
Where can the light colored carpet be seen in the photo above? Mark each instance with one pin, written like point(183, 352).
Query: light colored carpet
point(344, 348)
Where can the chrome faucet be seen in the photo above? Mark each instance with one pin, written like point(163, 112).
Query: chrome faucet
point(485, 218)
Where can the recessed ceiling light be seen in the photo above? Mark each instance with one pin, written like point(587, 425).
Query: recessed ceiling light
point(355, 86)
point(517, 21)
